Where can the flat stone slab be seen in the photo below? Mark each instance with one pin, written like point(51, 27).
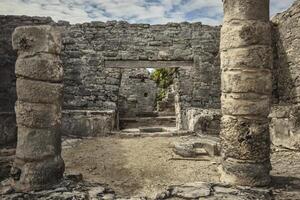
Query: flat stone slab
point(151, 129)
point(135, 132)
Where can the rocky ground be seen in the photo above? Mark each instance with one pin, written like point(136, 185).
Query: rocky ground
point(148, 168)
point(136, 166)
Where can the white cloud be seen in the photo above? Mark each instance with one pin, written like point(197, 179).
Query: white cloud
point(134, 11)
point(278, 6)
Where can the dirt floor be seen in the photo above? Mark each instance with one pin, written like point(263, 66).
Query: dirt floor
point(144, 166)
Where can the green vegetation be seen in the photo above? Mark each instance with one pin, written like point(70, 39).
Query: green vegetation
point(163, 77)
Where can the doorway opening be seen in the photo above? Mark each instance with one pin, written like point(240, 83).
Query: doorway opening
point(150, 95)
point(146, 100)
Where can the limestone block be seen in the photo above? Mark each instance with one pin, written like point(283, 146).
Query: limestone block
point(245, 34)
point(30, 176)
point(239, 10)
point(31, 40)
point(46, 67)
point(36, 115)
point(284, 126)
point(245, 139)
point(280, 111)
point(254, 81)
point(252, 57)
point(39, 91)
point(239, 172)
point(204, 121)
point(38, 144)
point(245, 104)
point(87, 123)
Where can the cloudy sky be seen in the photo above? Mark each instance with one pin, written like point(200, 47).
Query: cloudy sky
point(134, 11)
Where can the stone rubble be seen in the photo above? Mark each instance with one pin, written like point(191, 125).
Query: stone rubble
point(191, 146)
point(214, 191)
point(74, 188)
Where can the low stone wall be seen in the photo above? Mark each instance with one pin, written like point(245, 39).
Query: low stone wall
point(204, 121)
point(87, 123)
point(285, 126)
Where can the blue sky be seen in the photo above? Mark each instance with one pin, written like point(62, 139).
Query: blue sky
point(134, 11)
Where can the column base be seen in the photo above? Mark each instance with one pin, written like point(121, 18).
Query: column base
point(236, 172)
point(36, 175)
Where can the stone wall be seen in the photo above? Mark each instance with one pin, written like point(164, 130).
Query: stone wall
point(7, 73)
point(88, 123)
point(285, 130)
point(89, 84)
point(286, 56)
point(87, 47)
point(167, 105)
point(137, 93)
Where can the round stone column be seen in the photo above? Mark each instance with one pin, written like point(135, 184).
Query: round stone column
point(38, 162)
point(246, 64)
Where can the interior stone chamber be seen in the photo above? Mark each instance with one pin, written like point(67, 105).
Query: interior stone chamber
point(93, 56)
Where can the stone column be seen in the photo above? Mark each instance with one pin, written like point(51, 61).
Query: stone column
point(246, 63)
point(39, 72)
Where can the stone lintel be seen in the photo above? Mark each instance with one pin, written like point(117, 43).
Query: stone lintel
point(147, 64)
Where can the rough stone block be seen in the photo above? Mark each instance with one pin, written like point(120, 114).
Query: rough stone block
point(245, 104)
point(253, 57)
point(45, 67)
point(253, 81)
point(39, 91)
point(197, 146)
point(245, 139)
point(204, 121)
point(36, 115)
point(86, 123)
point(284, 126)
point(30, 40)
point(280, 111)
point(237, 34)
point(239, 10)
point(28, 176)
point(38, 144)
point(239, 172)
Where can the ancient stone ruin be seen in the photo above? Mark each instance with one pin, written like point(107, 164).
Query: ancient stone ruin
point(81, 99)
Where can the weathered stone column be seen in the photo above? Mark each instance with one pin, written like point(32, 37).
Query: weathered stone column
point(246, 62)
point(39, 72)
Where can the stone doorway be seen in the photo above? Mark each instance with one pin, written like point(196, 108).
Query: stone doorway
point(145, 105)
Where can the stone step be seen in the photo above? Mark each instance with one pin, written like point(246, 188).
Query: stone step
point(166, 121)
point(151, 129)
point(168, 132)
